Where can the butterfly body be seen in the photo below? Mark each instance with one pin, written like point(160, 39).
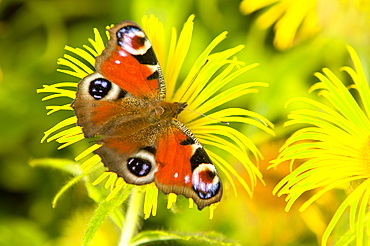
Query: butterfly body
point(141, 139)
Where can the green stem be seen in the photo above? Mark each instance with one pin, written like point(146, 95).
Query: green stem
point(134, 210)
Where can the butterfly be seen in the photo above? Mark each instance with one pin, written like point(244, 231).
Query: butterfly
point(123, 104)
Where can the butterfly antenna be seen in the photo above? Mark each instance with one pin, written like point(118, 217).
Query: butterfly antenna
point(191, 83)
point(194, 78)
point(209, 117)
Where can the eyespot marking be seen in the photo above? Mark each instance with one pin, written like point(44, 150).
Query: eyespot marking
point(206, 182)
point(99, 88)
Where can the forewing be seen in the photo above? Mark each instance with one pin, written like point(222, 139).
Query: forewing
point(130, 62)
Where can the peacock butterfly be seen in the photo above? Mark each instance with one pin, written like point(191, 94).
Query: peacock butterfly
point(123, 103)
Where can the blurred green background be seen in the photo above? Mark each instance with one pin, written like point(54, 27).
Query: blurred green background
point(33, 34)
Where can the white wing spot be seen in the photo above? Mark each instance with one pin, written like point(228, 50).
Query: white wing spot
point(187, 179)
point(122, 53)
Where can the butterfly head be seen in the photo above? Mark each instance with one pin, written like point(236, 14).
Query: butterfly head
point(162, 111)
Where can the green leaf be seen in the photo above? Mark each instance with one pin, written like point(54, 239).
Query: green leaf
point(210, 238)
point(98, 194)
point(104, 209)
point(70, 183)
point(64, 165)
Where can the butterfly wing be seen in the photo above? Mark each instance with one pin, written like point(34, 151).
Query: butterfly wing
point(184, 167)
point(126, 70)
point(168, 154)
point(113, 101)
point(124, 124)
point(130, 62)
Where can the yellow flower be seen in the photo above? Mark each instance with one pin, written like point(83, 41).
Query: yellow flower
point(297, 20)
point(334, 149)
point(202, 89)
point(293, 19)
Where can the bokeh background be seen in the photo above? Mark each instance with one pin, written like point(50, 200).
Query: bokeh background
point(33, 34)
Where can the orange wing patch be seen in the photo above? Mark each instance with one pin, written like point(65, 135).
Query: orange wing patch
point(173, 160)
point(133, 78)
